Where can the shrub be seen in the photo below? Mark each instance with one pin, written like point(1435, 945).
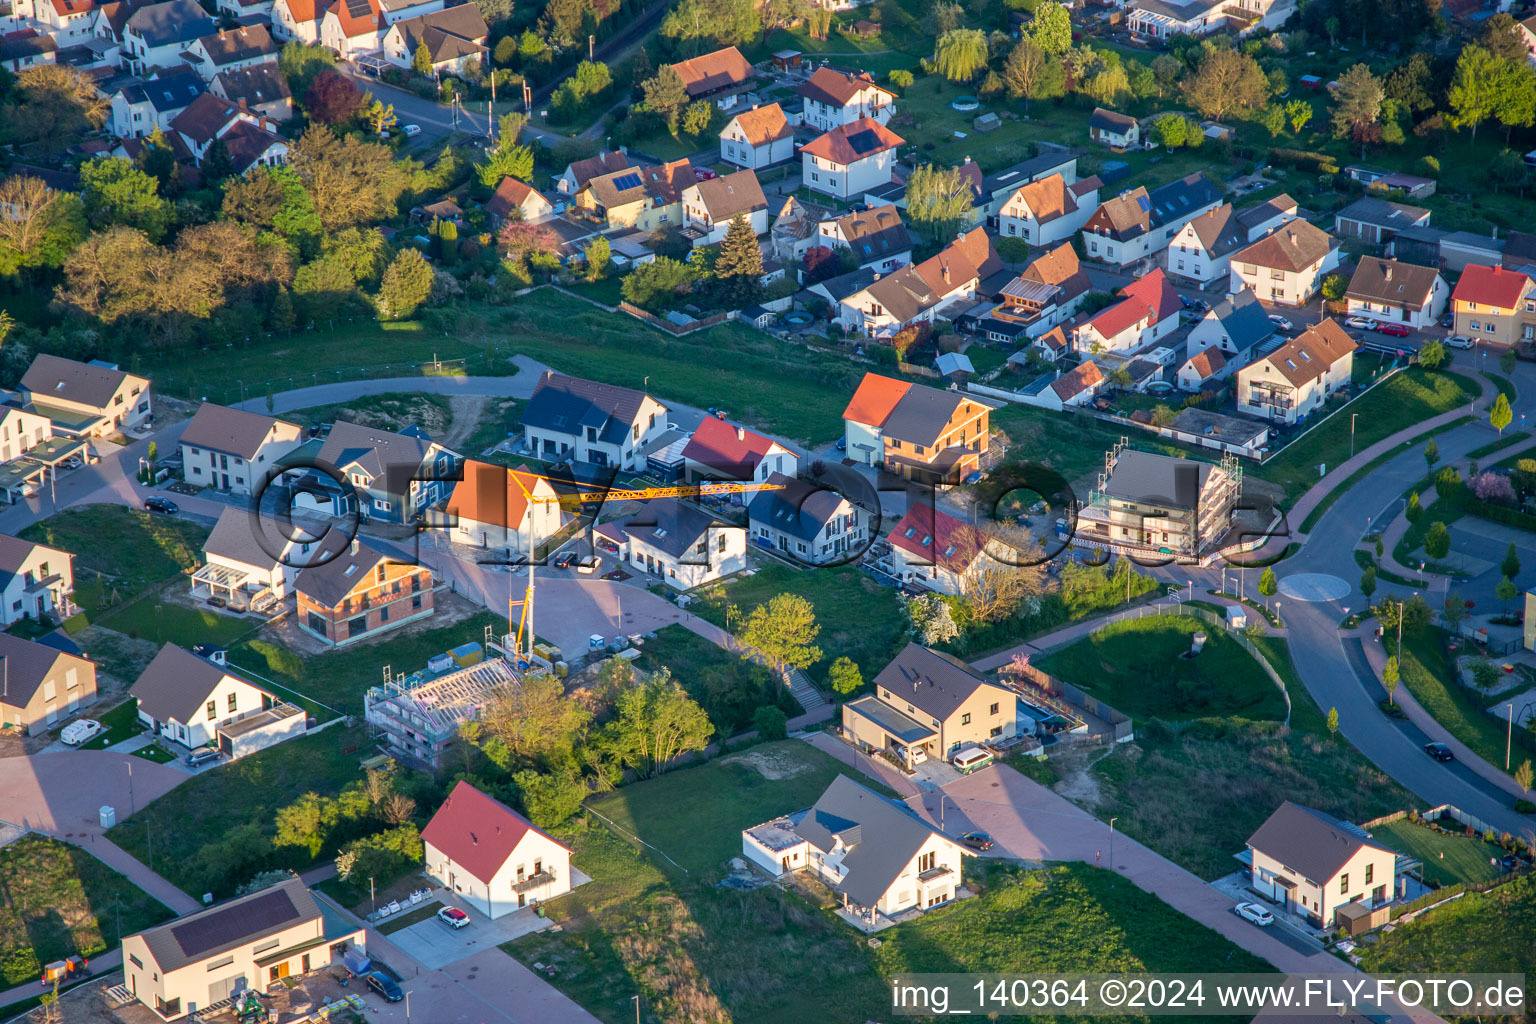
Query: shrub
point(1493, 487)
point(1429, 167)
point(1304, 160)
point(900, 78)
point(1525, 807)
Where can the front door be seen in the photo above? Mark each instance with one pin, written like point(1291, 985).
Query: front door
point(226, 481)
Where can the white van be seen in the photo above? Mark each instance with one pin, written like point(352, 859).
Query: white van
point(971, 759)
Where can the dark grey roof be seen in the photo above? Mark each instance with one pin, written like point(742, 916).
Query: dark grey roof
point(1110, 120)
point(23, 666)
point(670, 526)
point(897, 723)
point(1182, 198)
point(931, 681)
point(875, 234)
point(168, 90)
point(882, 835)
point(176, 683)
point(1243, 319)
point(569, 404)
point(217, 930)
point(1382, 212)
point(1473, 240)
point(260, 83)
point(394, 458)
point(244, 43)
point(921, 414)
point(1022, 173)
point(172, 21)
point(844, 285)
point(1310, 842)
point(231, 431)
point(328, 583)
point(799, 509)
point(19, 45)
point(1393, 283)
point(52, 378)
point(1178, 12)
point(1149, 477)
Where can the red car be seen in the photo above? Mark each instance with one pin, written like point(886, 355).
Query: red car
point(1395, 330)
point(702, 173)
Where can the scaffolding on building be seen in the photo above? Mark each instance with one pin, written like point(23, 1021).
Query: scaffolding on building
point(1192, 532)
point(417, 715)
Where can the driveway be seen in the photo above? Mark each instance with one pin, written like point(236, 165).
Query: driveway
point(435, 945)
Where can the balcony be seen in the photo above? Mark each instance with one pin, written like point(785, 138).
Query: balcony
point(534, 881)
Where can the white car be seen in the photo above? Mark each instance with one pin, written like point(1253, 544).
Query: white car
point(1255, 913)
point(411, 130)
point(453, 917)
point(1360, 323)
point(1458, 341)
point(1280, 322)
point(76, 733)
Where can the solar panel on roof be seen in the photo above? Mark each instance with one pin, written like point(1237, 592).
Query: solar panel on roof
point(1144, 203)
point(864, 141)
point(233, 923)
point(625, 182)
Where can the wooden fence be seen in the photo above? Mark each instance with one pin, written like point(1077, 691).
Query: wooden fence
point(676, 330)
point(1065, 699)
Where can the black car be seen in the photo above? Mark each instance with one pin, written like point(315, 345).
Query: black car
point(384, 986)
point(977, 840)
point(564, 559)
point(162, 505)
point(1439, 751)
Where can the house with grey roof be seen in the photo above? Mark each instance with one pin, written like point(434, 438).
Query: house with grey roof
point(94, 399)
point(250, 560)
point(1146, 503)
point(244, 46)
point(41, 685)
point(261, 88)
point(1377, 221)
point(927, 703)
point(193, 702)
point(1136, 223)
point(603, 424)
point(810, 524)
point(876, 237)
point(1202, 248)
point(156, 35)
point(1393, 292)
point(36, 581)
point(379, 474)
point(140, 107)
point(358, 593)
point(253, 943)
point(452, 38)
point(234, 450)
point(875, 853)
point(1236, 327)
point(1317, 867)
point(681, 543)
point(1113, 129)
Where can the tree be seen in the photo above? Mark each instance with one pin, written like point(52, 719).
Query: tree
point(1389, 678)
point(1501, 414)
point(844, 676)
point(1298, 113)
point(1272, 117)
point(960, 54)
point(281, 316)
point(1333, 721)
point(727, 22)
point(550, 798)
point(656, 723)
point(51, 107)
point(1171, 131)
point(1226, 82)
point(1431, 454)
point(931, 619)
point(333, 98)
point(1357, 102)
point(1269, 586)
point(1507, 361)
point(1414, 510)
point(598, 255)
point(1166, 69)
point(116, 192)
point(784, 630)
point(1109, 85)
point(1524, 776)
point(740, 263)
point(1033, 74)
point(770, 723)
point(1437, 540)
point(1051, 29)
point(1013, 250)
point(1510, 567)
point(1485, 675)
point(300, 64)
point(939, 200)
point(1505, 590)
point(1368, 581)
point(652, 283)
point(421, 60)
point(508, 160)
point(665, 94)
point(1412, 84)
point(380, 117)
point(41, 226)
point(696, 117)
point(1501, 38)
point(405, 286)
point(1473, 95)
point(349, 180)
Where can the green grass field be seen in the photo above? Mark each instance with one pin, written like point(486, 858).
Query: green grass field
point(121, 723)
point(132, 549)
point(1447, 858)
point(58, 901)
point(1137, 667)
point(150, 618)
point(729, 687)
point(1483, 932)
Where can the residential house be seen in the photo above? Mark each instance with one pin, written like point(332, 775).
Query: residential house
point(1147, 311)
point(360, 593)
point(1227, 337)
point(1493, 305)
point(93, 399)
point(1201, 250)
point(68, 22)
point(714, 73)
point(1048, 211)
point(723, 451)
point(1377, 221)
point(709, 207)
point(261, 89)
point(392, 477)
point(246, 12)
point(40, 685)
point(453, 37)
point(233, 450)
point(138, 108)
point(929, 704)
point(835, 290)
point(1286, 267)
point(639, 198)
point(888, 304)
point(998, 186)
point(916, 432)
point(933, 549)
point(156, 34)
point(1115, 130)
point(491, 856)
point(25, 49)
point(1519, 252)
point(876, 237)
point(835, 98)
point(1152, 504)
point(811, 524)
point(1402, 293)
point(247, 138)
point(297, 20)
point(576, 175)
point(795, 229)
point(497, 507)
point(352, 27)
point(250, 559)
point(1525, 29)
point(1205, 366)
point(1077, 387)
point(683, 544)
point(850, 159)
point(513, 200)
point(571, 418)
point(1313, 864)
point(21, 430)
point(878, 857)
point(36, 581)
point(1163, 19)
point(196, 702)
point(235, 49)
point(1137, 224)
point(1295, 380)
point(758, 138)
point(1049, 292)
point(250, 943)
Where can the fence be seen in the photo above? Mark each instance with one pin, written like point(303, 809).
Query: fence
point(676, 330)
point(1065, 699)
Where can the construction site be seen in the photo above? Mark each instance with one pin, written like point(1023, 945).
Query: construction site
point(1152, 505)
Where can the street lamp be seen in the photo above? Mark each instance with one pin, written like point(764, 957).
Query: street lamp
point(1112, 842)
point(1352, 433)
point(636, 1000)
point(130, 786)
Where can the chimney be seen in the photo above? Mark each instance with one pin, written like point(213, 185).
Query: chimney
point(356, 545)
point(741, 434)
point(1388, 275)
point(1290, 236)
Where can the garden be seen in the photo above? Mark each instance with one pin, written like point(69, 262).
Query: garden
point(1447, 853)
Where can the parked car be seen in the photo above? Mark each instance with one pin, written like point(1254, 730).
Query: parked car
point(1280, 322)
point(453, 917)
point(1439, 751)
point(1360, 323)
point(1510, 862)
point(1393, 330)
point(977, 840)
point(1458, 341)
point(411, 130)
point(384, 986)
point(564, 559)
point(1448, 321)
point(587, 566)
point(76, 733)
point(201, 756)
point(1255, 913)
point(702, 174)
point(165, 506)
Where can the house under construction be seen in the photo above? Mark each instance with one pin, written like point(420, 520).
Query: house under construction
point(1159, 505)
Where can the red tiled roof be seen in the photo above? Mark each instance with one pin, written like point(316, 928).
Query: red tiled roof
point(1491, 286)
point(763, 125)
point(1112, 321)
point(971, 256)
point(1155, 290)
point(356, 17)
point(1080, 379)
point(510, 195)
point(477, 832)
point(64, 8)
point(713, 71)
point(493, 494)
point(727, 448)
point(1207, 362)
point(936, 535)
point(875, 399)
point(835, 146)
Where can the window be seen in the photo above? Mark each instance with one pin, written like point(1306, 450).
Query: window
point(1344, 884)
point(416, 601)
point(965, 719)
point(384, 613)
point(1370, 873)
point(212, 709)
point(135, 961)
point(357, 626)
point(234, 701)
point(222, 962)
point(926, 861)
point(268, 944)
point(317, 624)
point(994, 709)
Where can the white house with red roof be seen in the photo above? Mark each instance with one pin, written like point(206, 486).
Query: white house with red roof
point(512, 195)
point(933, 548)
point(850, 159)
point(757, 138)
point(498, 507)
point(1148, 310)
point(723, 451)
point(491, 856)
point(834, 98)
point(297, 20)
point(68, 21)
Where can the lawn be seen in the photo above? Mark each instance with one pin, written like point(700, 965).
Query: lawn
point(150, 618)
point(130, 549)
point(1447, 858)
point(1138, 667)
point(498, 420)
point(1405, 399)
point(1072, 445)
point(214, 831)
point(1481, 932)
point(729, 687)
point(1242, 770)
point(338, 679)
point(59, 901)
point(859, 618)
point(121, 723)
